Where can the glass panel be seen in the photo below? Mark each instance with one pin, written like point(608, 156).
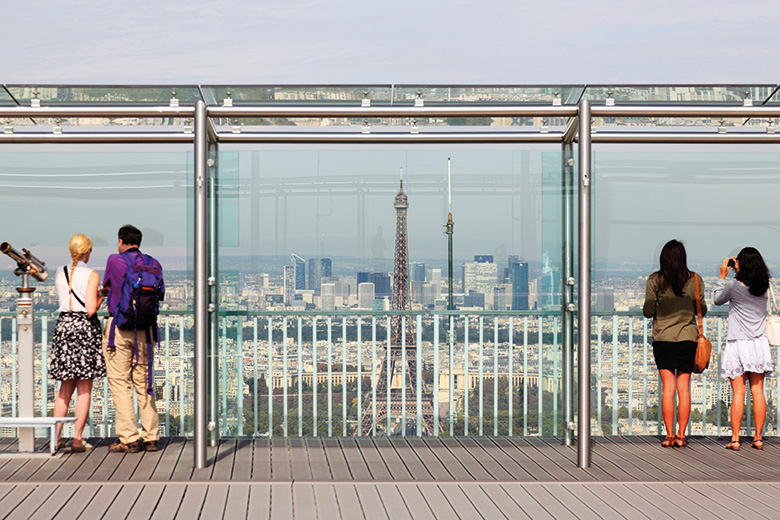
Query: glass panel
point(297, 94)
point(105, 95)
point(46, 196)
point(716, 202)
point(6, 98)
point(486, 94)
point(684, 94)
point(775, 99)
point(311, 234)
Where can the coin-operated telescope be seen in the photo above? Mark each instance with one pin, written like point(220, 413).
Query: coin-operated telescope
point(26, 265)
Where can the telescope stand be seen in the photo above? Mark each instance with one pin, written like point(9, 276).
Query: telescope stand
point(24, 330)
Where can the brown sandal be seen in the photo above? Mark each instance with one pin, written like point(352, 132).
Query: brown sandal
point(668, 442)
point(680, 442)
point(733, 445)
point(757, 444)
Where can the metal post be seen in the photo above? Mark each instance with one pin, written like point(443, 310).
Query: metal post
point(201, 286)
point(213, 299)
point(567, 312)
point(24, 328)
point(583, 412)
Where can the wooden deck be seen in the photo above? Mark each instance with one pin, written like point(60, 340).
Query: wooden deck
point(631, 477)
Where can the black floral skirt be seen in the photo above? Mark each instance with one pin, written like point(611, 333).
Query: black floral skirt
point(76, 349)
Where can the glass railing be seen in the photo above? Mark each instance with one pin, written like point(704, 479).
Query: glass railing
point(471, 374)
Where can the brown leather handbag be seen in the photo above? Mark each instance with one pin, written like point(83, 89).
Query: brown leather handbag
point(704, 346)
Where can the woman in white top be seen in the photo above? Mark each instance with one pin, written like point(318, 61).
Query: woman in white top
point(747, 355)
point(76, 356)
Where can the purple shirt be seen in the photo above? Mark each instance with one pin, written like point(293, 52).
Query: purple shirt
point(115, 273)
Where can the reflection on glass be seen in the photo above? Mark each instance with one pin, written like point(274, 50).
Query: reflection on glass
point(105, 95)
point(297, 94)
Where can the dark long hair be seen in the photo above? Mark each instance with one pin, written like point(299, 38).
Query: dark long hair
point(753, 272)
point(674, 271)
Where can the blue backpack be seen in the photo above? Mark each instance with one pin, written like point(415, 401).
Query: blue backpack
point(142, 290)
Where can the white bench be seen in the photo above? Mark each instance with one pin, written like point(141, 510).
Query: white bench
point(38, 422)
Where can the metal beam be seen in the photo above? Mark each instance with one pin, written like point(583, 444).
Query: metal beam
point(583, 412)
point(201, 284)
point(700, 111)
point(571, 130)
point(96, 111)
point(394, 111)
point(388, 137)
point(685, 137)
point(96, 138)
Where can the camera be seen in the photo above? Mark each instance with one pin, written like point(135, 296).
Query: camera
point(732, 263)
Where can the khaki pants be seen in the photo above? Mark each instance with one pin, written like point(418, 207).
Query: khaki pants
point(122, 377)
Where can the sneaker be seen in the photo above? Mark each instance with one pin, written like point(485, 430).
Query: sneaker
point(150, 446)
point(119, 447)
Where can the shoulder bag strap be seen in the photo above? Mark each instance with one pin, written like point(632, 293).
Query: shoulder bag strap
point(67, 279)
point(698, 304)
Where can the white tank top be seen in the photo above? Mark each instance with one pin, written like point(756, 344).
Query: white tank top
point(78, 286)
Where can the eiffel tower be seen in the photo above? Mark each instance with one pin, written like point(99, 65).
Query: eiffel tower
point(400, 375)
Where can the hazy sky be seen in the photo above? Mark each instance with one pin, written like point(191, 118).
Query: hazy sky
point(346, 41)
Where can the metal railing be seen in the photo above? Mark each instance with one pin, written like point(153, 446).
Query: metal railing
point(486, 374)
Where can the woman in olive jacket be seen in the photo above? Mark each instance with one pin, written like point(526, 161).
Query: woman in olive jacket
point(670, 299)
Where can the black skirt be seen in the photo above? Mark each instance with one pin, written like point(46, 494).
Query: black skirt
point(674, 355)
point(76, 351)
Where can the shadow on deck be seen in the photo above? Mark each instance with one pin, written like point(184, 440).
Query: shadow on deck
point(631, 477)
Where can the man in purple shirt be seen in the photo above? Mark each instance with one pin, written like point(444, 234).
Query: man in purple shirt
point(122, 377)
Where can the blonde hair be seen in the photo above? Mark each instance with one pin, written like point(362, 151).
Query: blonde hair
point(79, 245)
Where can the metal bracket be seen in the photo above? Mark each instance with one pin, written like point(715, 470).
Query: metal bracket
point(228, 101)
point(366, 100)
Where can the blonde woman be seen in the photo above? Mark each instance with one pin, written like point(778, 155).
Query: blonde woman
point(76, 355)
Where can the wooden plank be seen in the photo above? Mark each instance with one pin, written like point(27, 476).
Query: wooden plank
point(508, 465)
point(299, 460)
point(281, 501)
point(731, 496)
point(347, 498)
point(280, 460)
point(184, 467)
point(336, 461)
point(166, 505)
point(303, 501)
point(261, 463)
point(169, 459)
point(192, 504)
point(101, 502)
point(458, 500)
point(216, 501)
point(149, 462)
point(56, 501)
point(448, 460)
point(395, 465)
point(481, 501)
point(25, 500)
point(13, 466)
point(126, 463)
point(317, 460)
point(433, 497)
point(416, 504)
point(546, 498)
point(327, 505)
point(370, 502)
point(358, 468)
point(625, 506)
point(237, 502)
point(767, 494)
point(146, 504)
point(521, 455)
point(682, 501)
point(374, 462)
point(503, 502)
point(519, 494)
point(567, 456)
point(392, 500)
point(552, 461)
point(128, 495)
point(93, 460)
point(643, 467)
point(213, 454)
point(259, 501)
point(242, 465)
point(651, 508)
point(460, 454)
point(408, 456)
point(81, 497)
point(585, 504)
point(687, 461)
point(429, 460)
point(223, 464)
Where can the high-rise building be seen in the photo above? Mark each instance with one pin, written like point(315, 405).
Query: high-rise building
point(328, 297)
point(319, 268)
point(499, 296)
point(605, 299)
point(518, 277)
point(483, 259)
point(289, 284)
point(480, 277)
point(365, 295)
point(417, 272)
point(549, 285)
point(300, 272)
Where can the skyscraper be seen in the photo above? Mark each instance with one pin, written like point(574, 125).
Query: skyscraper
point(300, 272)
point(518, 276)
point(365, 295)
point(319, 268)
point(289, 284)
